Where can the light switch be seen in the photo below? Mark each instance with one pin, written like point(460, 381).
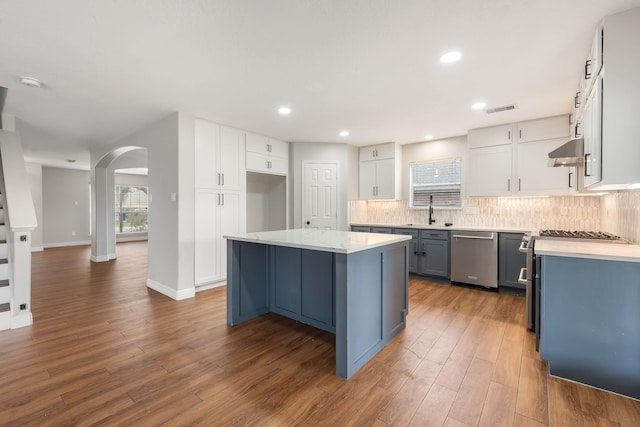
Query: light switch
point(173, 197)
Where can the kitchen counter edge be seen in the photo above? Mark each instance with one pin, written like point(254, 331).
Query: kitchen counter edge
point(592, 250)
point(442, 227)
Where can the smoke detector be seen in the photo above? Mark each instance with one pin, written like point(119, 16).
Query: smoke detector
point(30, 81)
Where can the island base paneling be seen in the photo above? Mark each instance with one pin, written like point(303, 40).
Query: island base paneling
point(362, 296)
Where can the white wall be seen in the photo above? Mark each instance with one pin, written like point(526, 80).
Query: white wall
point(65, 207)
point(344, 155)
point(34, 174)
point(131, 179)
point(266, 202)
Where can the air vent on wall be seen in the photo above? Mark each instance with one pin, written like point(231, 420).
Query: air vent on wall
point(500, 109)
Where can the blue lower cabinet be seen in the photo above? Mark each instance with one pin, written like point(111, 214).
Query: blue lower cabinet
point(383, 230)
point(361, 228)
point(434, 253)
point(413, 246)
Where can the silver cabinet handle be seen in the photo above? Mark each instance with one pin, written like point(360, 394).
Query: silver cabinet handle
point(522, 277)
point(508, 184)
point(462, 236)
point(222, 199)
point(523, 247)
point(218, 179)
point(218, 199)
point(519, 186)
point(222, 178)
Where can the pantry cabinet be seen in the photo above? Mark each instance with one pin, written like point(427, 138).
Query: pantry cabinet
point(219, 197)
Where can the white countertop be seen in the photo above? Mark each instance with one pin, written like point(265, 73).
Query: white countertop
point(453, 227)
point(321, 240)
point(593, 250)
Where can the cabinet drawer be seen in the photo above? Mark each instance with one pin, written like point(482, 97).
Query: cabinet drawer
point(434, 234)
point(278, 148)
point(268, 164)
point(384, 230)
point(407, 231)
point(257, 143)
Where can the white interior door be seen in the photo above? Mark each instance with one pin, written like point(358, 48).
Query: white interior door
point(320, 196)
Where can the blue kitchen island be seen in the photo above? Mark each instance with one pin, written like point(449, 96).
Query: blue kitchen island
point(354, 285)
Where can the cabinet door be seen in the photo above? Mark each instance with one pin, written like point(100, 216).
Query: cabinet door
point(488, 137)
point(368, 153)
point(257, 143)
point(278, 148)
point(360, 229)
point(435, 258)
point(510, 260)
point(207, 236)
point(385, 179)
point(230, 158)
point(257, 162)
point(206, 136)
point(383, 230)
point(592, 128)
point(413, 247)
point(278, 165)
point(386, 151)
point(535, 177)
point(367, 180)
point(230, 223)
point(489, 172)
point(541, 129)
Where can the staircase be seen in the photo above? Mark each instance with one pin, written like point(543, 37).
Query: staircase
point(5, 289)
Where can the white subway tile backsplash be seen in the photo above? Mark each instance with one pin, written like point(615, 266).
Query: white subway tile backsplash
point(617, 213)
point(527, 213)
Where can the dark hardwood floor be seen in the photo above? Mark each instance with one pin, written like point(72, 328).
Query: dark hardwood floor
point(106, 350)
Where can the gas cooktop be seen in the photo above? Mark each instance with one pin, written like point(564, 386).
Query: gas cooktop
point(580, 234)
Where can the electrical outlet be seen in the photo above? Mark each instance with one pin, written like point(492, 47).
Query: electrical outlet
point(73, 233)
point(23, 306)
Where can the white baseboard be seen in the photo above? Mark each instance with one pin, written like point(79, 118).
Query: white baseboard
point(37, 248)
point(22, 320)
point(5, 320)
point(65, 244)
point(207, 286)
point(170, 292)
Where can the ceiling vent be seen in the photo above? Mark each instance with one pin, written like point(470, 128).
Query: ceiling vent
point(500, 109)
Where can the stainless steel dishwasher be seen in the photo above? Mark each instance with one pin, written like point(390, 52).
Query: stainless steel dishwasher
point(474, 258)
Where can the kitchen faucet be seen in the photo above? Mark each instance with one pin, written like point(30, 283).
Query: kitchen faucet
point(431, 220)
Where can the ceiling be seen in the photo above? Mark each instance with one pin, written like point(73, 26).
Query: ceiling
point(111, 67)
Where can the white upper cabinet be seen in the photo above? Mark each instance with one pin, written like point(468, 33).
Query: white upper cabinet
point(267, 155)
point(613, 113)
point(218, 156)
point(535, 177)
point(380, 172)
point(541, 129)
point(489, 171)
point(490, 136)
point(512, 159)
point(378, 152)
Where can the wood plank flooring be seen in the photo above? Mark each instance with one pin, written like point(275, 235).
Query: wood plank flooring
point(106, 350)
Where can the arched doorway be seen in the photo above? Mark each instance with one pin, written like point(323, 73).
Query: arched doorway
point(103, 218)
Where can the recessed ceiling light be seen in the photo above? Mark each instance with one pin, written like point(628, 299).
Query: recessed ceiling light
point(428, 137)
point(30, 81)
point(344, 133)
point(449, 57)
point(479, 105)
point(284, 110)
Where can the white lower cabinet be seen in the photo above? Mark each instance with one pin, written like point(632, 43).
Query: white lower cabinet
point(490, 170)
point(217, 213)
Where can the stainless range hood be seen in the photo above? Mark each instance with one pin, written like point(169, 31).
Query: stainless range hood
point(568, 154)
